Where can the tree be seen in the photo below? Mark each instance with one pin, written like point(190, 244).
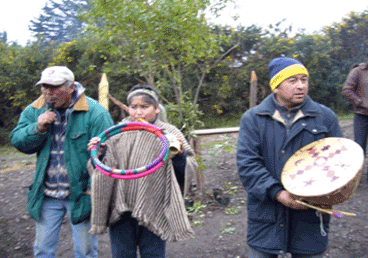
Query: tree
point(20, 69)
point(349, 39)
point(3, 37)
point(159, 39)
point(59, 21)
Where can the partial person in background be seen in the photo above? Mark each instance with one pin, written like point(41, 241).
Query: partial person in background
point(355, 90)
point(58, 126)
point(146, 212)
point(270, 133)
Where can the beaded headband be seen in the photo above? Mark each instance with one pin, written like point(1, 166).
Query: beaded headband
point(145, 91)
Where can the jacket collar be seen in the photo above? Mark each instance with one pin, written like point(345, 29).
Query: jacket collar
point(268, 107)
point(80, 105)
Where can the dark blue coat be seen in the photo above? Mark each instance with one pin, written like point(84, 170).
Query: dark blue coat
point(264, 146)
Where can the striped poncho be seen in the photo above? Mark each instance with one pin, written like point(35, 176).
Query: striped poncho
point(155, 200)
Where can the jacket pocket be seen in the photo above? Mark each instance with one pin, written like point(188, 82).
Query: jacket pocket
point(316, 129)
point(79, 141)
point(35, 200)
point(314, 132)
point(80, 203)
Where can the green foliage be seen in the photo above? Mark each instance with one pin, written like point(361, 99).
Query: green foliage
point(190, 119)
point(229, 189)
point(224, 144)
point(171, 45)
point(159, 40)
point(197, 208)
point(88, 60)
point(20, 68)
point(4, 137)
point(200, 162)
point(6, 150)
point(231, 119)
point(349, 40)
point(232, 210)
point(197, 222)
point(228, 229)
point(345, 116)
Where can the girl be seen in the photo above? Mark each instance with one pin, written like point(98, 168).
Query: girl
point(148, 211)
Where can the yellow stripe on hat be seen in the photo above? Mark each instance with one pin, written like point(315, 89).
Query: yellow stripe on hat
point(287, 73)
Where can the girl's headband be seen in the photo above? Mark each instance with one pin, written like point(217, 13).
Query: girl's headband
point(145, 91)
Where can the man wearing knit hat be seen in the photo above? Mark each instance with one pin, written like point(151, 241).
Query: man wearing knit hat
point(270, 134)
point(58, 126)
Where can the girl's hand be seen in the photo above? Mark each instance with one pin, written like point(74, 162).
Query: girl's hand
point(181, 150)
point(94, 141)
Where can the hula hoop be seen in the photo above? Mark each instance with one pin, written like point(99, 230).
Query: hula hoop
point(131, 173)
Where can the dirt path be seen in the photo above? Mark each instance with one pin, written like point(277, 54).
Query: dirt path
point(221, 231)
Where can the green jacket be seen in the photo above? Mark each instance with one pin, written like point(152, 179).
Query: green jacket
point(88, 119)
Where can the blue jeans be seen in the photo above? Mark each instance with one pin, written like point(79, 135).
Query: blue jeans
point(361, 130)
point(126, 235)
point(48, 228)
point(254, 253)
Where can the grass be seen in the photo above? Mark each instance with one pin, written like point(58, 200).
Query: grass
point(197, 208)
point(12, 154)
point(227, 229)
point(229, 120)
point(9, 150)
point(345, 116)
point(233, 120)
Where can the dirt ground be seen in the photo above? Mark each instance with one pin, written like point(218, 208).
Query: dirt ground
point(220, 230)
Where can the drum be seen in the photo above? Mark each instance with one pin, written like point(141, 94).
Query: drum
point(324, 172)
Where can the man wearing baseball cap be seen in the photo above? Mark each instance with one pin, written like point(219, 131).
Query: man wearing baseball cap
point(58, 126)
point(269, 135)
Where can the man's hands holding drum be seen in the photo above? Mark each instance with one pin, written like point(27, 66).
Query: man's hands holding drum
point(286, 199)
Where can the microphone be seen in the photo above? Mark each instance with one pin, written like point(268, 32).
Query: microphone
point(50, 106)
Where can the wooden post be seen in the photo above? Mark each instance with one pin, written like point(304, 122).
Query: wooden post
point(103, 90)
point(253, 90)
point(196, 144)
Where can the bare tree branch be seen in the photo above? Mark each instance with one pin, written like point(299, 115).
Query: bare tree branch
point(118, 103)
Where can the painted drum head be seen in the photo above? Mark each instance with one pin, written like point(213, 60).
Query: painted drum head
point(326, 171)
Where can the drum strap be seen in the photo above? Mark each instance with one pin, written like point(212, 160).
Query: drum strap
point(323, 232)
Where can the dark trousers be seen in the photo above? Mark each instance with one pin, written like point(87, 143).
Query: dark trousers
point(361, 130)
point(126, 235)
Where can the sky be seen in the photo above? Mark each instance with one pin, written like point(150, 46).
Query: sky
point(312, 15)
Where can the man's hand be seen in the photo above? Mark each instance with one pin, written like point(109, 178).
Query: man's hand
point(286, 199)
point(44, 120)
